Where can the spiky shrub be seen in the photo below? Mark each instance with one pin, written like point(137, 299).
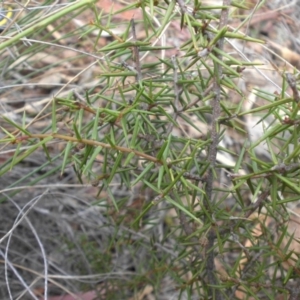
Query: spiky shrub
point(181, 210)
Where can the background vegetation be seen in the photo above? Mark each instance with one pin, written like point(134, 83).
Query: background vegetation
point(149, 150)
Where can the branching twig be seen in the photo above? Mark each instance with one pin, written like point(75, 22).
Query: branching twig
point(176, 92)
point(292, 83)
point(212, 155)
point(136, 55)
point(193, 103)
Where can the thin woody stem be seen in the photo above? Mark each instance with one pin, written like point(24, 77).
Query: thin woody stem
point(212, 280)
